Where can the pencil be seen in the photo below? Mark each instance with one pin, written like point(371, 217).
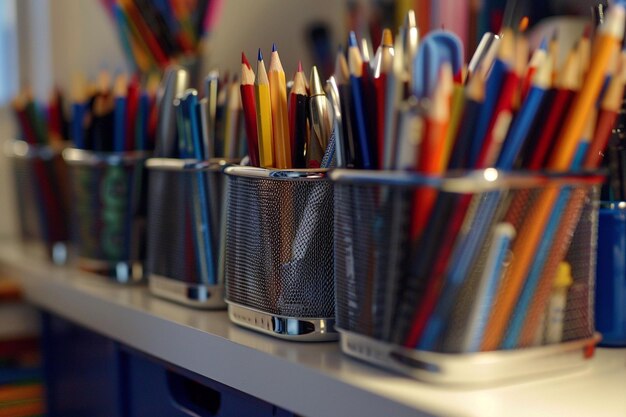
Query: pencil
point(504, 103)
point(609, 109)
point(607, 44)
point(474, 97)
point(537, 59)
point(383, 67)
point(299, 110)
point(280, 117)
point(355, 64)
point(232, 120)
point(249, 110)
point(120, 92)
point(349, 130)
point(567, 85)
point(263, 115)
point(492, 88)
point(520, 128)
point(605, 47)
point(396, 81)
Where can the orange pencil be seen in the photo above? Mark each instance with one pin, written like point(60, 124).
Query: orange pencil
point(606, 45)
point(609, 108)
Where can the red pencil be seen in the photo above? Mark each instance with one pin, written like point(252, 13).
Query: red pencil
point(568, 84)
point(249, 110)
point(132, 105)
point(384, 65)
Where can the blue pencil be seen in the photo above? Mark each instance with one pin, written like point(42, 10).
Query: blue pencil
point(518, 133)
point(355, 63)
point(492, 90)
point(119, 125)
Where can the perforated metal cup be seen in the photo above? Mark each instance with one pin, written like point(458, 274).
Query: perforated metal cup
point(40, 176)
point(426, 289)
point(185, 200)
point(279, 251)
point(108, 222)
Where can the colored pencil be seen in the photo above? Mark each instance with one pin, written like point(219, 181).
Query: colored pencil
point(280, 116)
point(264, 115)
point(249, 110)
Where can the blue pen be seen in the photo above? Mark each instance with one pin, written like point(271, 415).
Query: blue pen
point(78, 133)
point(355, 63)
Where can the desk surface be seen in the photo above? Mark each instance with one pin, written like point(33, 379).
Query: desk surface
point(309, 379)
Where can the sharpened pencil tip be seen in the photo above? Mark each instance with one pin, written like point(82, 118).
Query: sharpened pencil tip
point(387, 39)
point(544, 44)
point(244, 60)
point(299, 66)
point(274, 48)
point(352, 39)
point(260, 56)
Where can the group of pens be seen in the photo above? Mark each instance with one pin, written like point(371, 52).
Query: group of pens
point(455, 244)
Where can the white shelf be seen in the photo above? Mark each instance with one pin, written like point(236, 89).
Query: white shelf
point(309, 379)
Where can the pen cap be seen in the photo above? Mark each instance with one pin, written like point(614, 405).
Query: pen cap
point(563, 279)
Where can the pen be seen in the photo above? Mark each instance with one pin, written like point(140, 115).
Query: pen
point(320, 121)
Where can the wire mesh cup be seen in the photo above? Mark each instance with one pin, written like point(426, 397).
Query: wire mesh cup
point(185, 200)
point(279, 252)
point(476, 278)
point(40, 178)
point(108, 222)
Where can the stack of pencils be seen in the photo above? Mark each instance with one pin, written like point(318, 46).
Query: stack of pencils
point(41, 123)
point(114, 114)
point(157, 33)
point(44, 127)
point(416, 107)
point(284, 129)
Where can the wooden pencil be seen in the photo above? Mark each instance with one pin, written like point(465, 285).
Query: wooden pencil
point(264, 115)
point(280, 117)
point(249, 110)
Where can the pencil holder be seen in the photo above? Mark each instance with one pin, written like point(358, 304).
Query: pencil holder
point(40, 177)
point(610, 307)
point(108, 221)
point(279, 252)
point(185, 200)
point(475, 278)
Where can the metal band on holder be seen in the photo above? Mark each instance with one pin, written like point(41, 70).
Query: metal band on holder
point(195, 295)
point(489, 179)
point(74, 156)
point(291, 174)
point(288, 328)
point(471, 369)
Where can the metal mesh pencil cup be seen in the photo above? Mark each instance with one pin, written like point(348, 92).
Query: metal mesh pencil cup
point(459, 301)
point(185, 202)
point(279, 252)
point(40, 178)
point(108, 222)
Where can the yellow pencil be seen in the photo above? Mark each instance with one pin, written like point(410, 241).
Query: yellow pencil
point(280, 117)
point(263, 115)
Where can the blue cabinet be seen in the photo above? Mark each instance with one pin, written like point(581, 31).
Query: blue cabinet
point(89, 375)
